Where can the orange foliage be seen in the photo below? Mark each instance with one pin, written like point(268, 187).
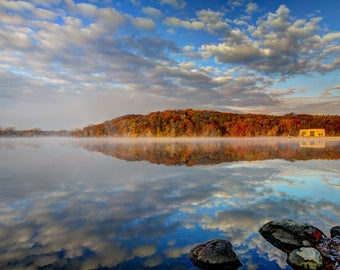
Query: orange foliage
point(197, 123)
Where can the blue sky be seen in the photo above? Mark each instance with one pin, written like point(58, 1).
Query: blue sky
point(67, 64)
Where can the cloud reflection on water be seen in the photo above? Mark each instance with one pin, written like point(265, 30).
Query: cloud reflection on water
point(90, 210)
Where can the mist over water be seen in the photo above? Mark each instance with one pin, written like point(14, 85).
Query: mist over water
point(124, 204)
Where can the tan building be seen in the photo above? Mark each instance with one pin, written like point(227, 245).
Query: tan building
point(317, 132)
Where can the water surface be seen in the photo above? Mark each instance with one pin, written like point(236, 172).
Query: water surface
point(142, 204)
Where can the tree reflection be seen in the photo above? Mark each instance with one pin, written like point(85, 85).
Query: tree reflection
point(210, 152)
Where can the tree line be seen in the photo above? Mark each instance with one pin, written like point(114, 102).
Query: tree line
point(194, 123)
point(207, 123)
point(34, 132)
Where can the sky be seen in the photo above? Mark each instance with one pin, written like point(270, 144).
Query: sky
point(66, 64)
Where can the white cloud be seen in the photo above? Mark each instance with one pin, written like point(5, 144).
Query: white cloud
point(25, 9)
point(187, 65)
point(15, 37)
point(235, 3)
point(207, 20)
point(16, 5)
point(46, 3)
point(144, 23)
point(278, 44)
point(176, 22)
point(188, 48)
point(153, 12)
point(135, 2)
point(213, 20)
point(331, 89)
point(279, 20)
point(175, 3)
point(251, 8)
point(11, 19)
point(44, 14)
point(330, 37)
point(87, 9)
point(234, 54)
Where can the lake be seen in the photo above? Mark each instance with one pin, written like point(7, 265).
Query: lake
point(69, 203)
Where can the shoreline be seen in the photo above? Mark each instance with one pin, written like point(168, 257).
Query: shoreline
point(180, 139)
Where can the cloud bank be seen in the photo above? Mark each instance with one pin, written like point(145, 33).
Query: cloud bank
point(68, 64)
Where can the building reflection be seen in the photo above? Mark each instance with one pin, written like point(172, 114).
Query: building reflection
point(312, 143)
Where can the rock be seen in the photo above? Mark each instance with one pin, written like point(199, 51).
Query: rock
point(335, 231)
point(214, 254)
point(305, 258)
point(288, 235)
point(330, 250)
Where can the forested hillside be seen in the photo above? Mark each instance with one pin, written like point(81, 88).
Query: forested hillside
point(196, 123)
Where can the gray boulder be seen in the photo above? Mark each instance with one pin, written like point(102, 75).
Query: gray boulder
point(289, 235)
point(214, 254)
point(305, 258)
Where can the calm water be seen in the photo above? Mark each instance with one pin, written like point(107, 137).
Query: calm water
point(115, 204)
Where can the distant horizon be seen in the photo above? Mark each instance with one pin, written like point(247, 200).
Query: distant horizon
point(91, 124)
point(68, 64)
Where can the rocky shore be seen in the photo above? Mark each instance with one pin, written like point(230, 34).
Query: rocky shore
point(306, 246)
